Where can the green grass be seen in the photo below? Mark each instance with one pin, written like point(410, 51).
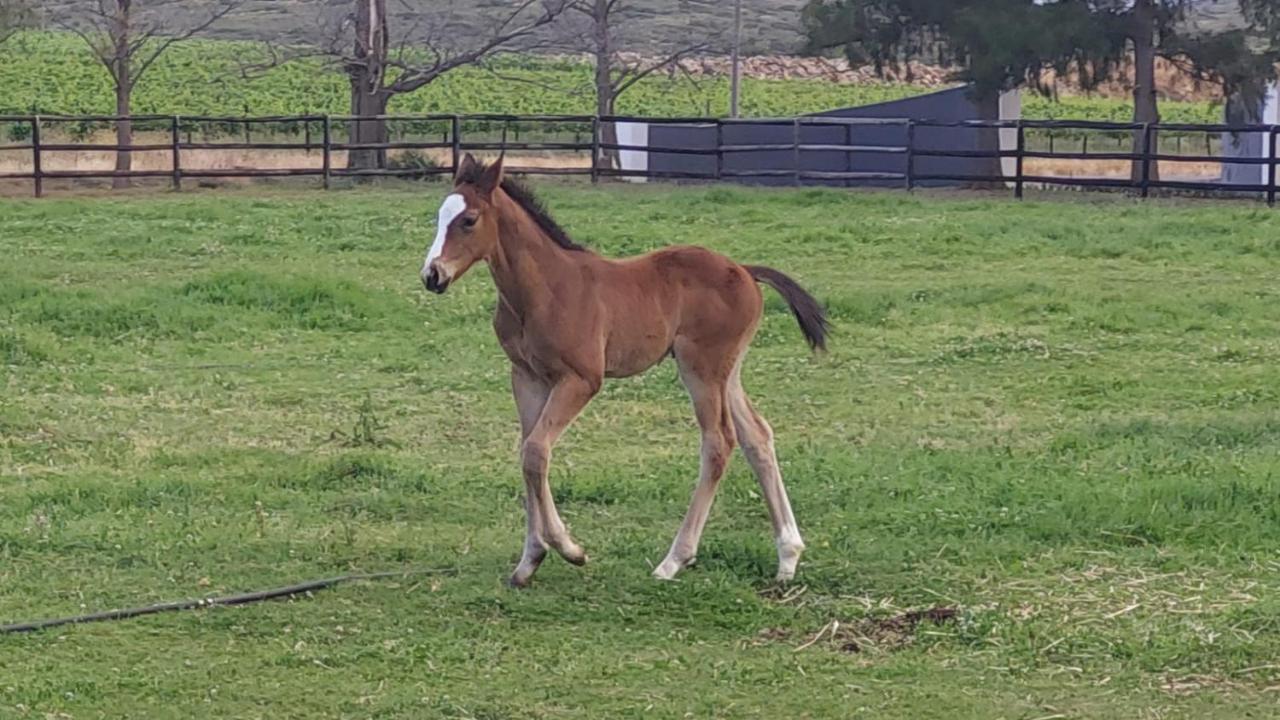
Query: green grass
point(1057, 417)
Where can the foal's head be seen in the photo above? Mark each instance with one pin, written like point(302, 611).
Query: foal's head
point(467, 227)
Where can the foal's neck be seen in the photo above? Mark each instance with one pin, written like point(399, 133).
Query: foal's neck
point(526, 259)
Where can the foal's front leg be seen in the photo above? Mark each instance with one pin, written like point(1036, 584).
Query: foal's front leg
point(564, 401)
point(531, 396)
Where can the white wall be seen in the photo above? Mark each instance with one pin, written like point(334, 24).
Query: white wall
point(1010, 110)
point(631, 133)
point(1270, 116)
point(1256, 145)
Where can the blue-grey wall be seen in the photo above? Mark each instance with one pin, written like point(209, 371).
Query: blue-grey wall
point(946, 106)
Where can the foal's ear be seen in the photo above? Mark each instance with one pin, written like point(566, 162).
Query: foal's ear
point(491, 178)
point(465, 166)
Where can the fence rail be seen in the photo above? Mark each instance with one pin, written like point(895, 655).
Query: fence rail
point(452, 138)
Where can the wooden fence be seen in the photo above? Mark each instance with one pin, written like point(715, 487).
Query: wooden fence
point(453, 139)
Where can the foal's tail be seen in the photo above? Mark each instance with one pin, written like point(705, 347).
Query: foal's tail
point(808, 312)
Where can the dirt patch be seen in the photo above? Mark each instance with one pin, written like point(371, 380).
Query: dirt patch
point(866, 634)
point(1198, 171)
point(19, 161)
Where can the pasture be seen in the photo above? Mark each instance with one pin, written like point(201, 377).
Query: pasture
point(1053, 424)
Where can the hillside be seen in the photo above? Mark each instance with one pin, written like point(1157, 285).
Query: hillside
point(769, 26)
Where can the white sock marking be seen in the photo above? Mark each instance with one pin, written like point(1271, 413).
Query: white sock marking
point(452, 207)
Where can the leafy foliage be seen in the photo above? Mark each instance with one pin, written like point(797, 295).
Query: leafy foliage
point(995, 44)
point(1000, 44)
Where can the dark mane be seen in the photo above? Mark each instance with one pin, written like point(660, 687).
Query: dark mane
point(524, 197)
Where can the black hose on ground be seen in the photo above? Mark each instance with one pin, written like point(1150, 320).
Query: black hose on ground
point(241, 599)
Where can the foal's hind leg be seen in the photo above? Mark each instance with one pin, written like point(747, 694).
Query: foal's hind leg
point(708, 389)
point(756, 438)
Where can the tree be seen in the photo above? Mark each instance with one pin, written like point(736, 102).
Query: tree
point(427, 45)
point(1241, 56)
point(615, 70)
point(127, 38)
point(1000, 44)
point(995, 45)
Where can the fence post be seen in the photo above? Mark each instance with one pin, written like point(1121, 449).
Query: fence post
point(911, 155)
point(595, 149)
point(719, 149)
point(1146, 160)
point(176, 139)
point(455, 130)
point(37, 174)
point(326, 162)
point(1022, 148)
point(795, 124)
point(1275, 163)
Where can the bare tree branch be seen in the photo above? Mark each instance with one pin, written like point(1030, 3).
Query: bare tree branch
point(14, 15)
point(630, 76)
point(276, 56)
point(99, 26)
point(414, 77)
point(226, 7)
point(535, 83)
point(103, 53)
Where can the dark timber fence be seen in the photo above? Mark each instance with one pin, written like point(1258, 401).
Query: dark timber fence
point(29, 133)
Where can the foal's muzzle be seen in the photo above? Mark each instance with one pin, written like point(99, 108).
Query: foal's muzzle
point(435, 281)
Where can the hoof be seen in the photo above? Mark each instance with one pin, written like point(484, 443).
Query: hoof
point(572, 552)
point(670, 567)
point(788, 558)
point(516, 582)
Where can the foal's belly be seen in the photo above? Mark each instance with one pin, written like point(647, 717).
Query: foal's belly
point(633, 359)
point(637, 343)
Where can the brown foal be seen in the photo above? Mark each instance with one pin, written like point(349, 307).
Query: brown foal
point(569, 318)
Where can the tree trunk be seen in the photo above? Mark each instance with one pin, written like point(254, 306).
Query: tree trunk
point(735, 67)
point(609, 158)
point(603, 52)
point(123, 71)
point(1145, 106)
point(367, 105)
point(124, 130)
point(369, 96)
point(988, 105)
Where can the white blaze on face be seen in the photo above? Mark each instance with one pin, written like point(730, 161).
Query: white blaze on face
point(453, 206)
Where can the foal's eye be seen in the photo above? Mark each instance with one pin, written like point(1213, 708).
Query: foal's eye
point(469, 222)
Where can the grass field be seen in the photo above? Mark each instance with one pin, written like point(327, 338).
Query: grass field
point(1056, 419)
